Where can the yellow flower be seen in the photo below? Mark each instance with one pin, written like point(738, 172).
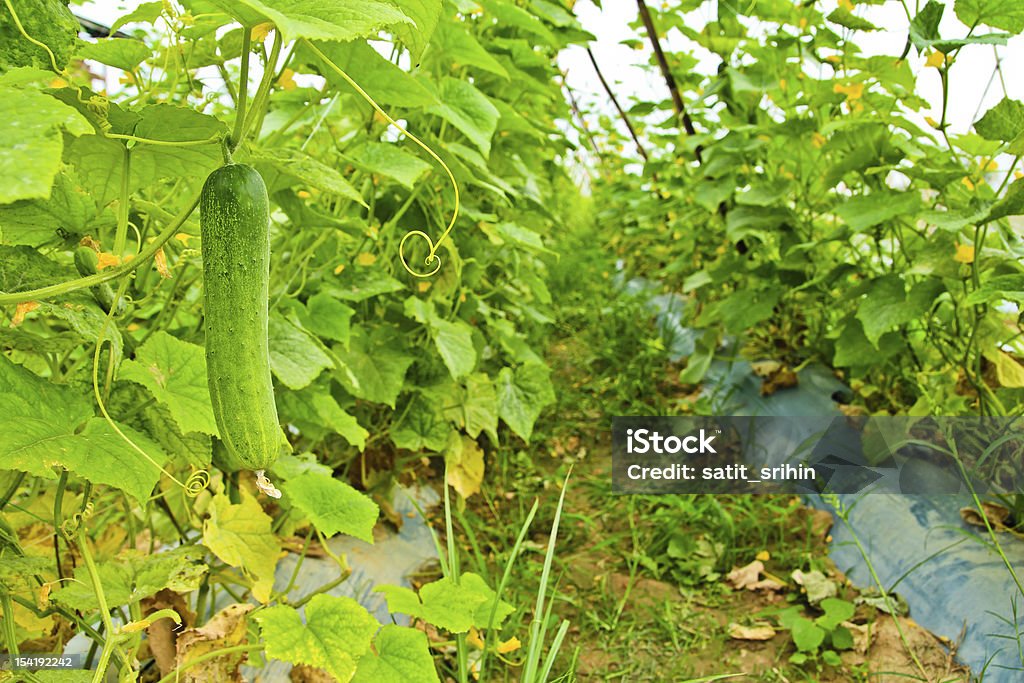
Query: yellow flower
point(510, 645)
point(818, 140)
point(852, 91)
point(259, 32)
point(935, 59)
point(964, 253)
point(366, 259)
point(763, 556)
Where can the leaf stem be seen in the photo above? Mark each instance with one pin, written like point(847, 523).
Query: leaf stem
point(243, 89)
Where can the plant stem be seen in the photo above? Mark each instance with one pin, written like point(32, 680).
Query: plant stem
point(243, 89)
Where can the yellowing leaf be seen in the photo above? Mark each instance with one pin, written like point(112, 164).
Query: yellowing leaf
point(366, 259)
point(510, 645)
point(1009, 372)
point(964, 253)
point(22, 310)
point(106, 260)
point(465, 465)
point(935, 59)
point(241, 535)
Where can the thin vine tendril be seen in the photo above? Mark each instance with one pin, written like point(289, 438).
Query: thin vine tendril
point(432, 256)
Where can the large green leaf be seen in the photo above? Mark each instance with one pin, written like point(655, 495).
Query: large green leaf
point(295, 357)
point(170, 123)
point(30, 142)
point(332, 505)
point(385, 82)
point(422, 426)
point(425, 14)
point(887, 305)
point(133, 576)
point(469, 111)
point(377, 366)
point(123, 53)
point(336, 633)
point(53, 426)
point(1005, 121)
point(391, 161)
point(1005, 14)
point(310, 173)
point(49, 22)
point(341, 20)
point(315, 413)
point(867, 211)
point(456, 47)
point(522, 394)
point(481, 407)
point(67, 210)
point(401, 655)
point(174, 371)
point(453, 606)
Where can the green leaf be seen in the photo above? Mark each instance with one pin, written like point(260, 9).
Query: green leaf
point(295, 357)
point(358, 283)
point(49, 22)
point(884, 308)
point(457, 47)
point(99, 162)
point(522, 394)
point(170, 123)
point(174, 371)
point(1005, 14)
point(452, 606)
point(807, 636)
point(1005, 121)
point(401, 655)
point(310, 173)
point(133, 576)
point(385, 82)
point(481, 407)
point(377, 366)
point(425, 14)
point(848, 19)
point(454, 341)
point(53, 425)
point(332, 505)
point(24, 268)
point(315, 412)
point(147, 12)
point(68, 210)
point(196, 448)
point(924, 27)
point(469, 111)
point(507, 14)
point(422, 426)
point(842, 639)
point(391, 161)
point(336, 634)
point(30, 142)
point(867, 211)
point(340, 20)
point(853, 349)
point(998, 288)
point(836, 612)
point(122, 53)
point(328, 318)
point(1012, 203)
point(241, 535)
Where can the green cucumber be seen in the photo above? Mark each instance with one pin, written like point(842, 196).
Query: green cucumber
point(234, 215)
point(87, 263)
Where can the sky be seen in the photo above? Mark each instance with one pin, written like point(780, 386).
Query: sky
point(969, 76)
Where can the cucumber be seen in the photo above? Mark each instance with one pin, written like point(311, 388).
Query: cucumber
point(87, 263)
point(234, 215)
